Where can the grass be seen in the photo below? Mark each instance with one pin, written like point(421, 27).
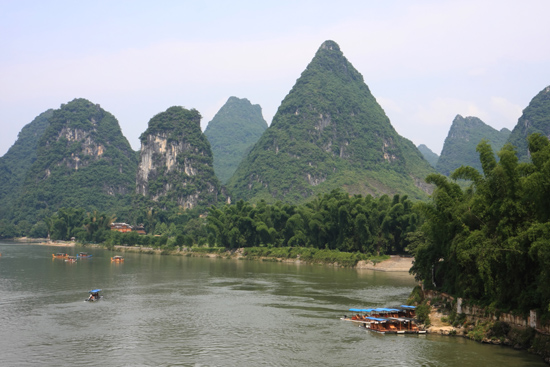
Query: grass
point(311, 255)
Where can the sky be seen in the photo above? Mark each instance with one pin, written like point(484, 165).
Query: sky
point(424, 61)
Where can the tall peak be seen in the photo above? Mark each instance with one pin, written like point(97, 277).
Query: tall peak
point(327, 129)
point(330, 45)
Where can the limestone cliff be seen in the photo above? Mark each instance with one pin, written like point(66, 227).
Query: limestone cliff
point(176, 161)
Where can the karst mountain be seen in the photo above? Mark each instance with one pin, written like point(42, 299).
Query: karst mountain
point(175, 165)
point(460, 144)
point(15, 164)
point(82, 161)
point(232, 132)
point(535, 119)
point(329, 132)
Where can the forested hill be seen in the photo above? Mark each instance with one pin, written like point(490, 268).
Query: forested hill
point(175, 168)
point(329, 132)
point(15, 164)
point(232, 132)
point(535, 119)
point(461, 142)
point(428, 154)
point(82, 161)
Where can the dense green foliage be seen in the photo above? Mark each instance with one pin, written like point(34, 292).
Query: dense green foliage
point(82, 161)
point(535, 119)
point(490, 242)
point(15, 164)
point(461, 142)
point(176, 163)
point(356, 226)
point(428, 155)
point(328, 126)
point(232, 132)
point(333, 221)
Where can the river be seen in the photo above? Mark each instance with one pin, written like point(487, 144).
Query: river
point(184, 311)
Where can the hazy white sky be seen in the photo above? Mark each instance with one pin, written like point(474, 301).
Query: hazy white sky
point(424, 61)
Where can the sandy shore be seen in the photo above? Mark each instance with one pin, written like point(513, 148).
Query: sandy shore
point(394, 263)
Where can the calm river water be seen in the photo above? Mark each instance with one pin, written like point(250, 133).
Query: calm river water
point(182, 311)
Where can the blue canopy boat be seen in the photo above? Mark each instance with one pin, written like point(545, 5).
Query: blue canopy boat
point(94, 295)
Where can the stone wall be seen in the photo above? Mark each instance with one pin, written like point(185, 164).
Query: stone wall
point(475, 313)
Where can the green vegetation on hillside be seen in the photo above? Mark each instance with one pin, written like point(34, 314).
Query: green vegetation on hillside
point(82, 161)
point(15, 164)
point(461, 142)
point(430, 156)
point(535, 119)
point(181, 170)
point(232, 132)
point(326, 127)
point(489, 242)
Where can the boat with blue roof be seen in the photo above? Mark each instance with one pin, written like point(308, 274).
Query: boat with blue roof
point(386, 320)
point(94, 295)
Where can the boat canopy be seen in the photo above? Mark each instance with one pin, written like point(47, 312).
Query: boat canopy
point(386, 309)
point(405, 306)
point(356, 310)
point(375, 318)
point(95, 291)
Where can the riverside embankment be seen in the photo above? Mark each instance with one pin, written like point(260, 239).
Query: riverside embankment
point(458, 317)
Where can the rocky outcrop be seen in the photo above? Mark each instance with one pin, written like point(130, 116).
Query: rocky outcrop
point(176, 161)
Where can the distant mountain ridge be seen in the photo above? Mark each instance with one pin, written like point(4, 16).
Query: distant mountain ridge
point(428, 154)
point(329, 132)
point(460, 145)
point(234, 129)
point(535, 119)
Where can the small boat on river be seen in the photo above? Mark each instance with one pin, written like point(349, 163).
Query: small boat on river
point(94, 295)
point(60, 255)
point(84, 254)
point(117, 259)
point(70, 259)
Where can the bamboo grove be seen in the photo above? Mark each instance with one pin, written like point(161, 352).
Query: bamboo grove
point(490, 242)
point(332, 221)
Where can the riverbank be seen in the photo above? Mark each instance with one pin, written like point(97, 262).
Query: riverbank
point(393, 263)
point(452, 317)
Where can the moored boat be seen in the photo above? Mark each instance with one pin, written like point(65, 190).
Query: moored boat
point(117, 259)
point(386, 320)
